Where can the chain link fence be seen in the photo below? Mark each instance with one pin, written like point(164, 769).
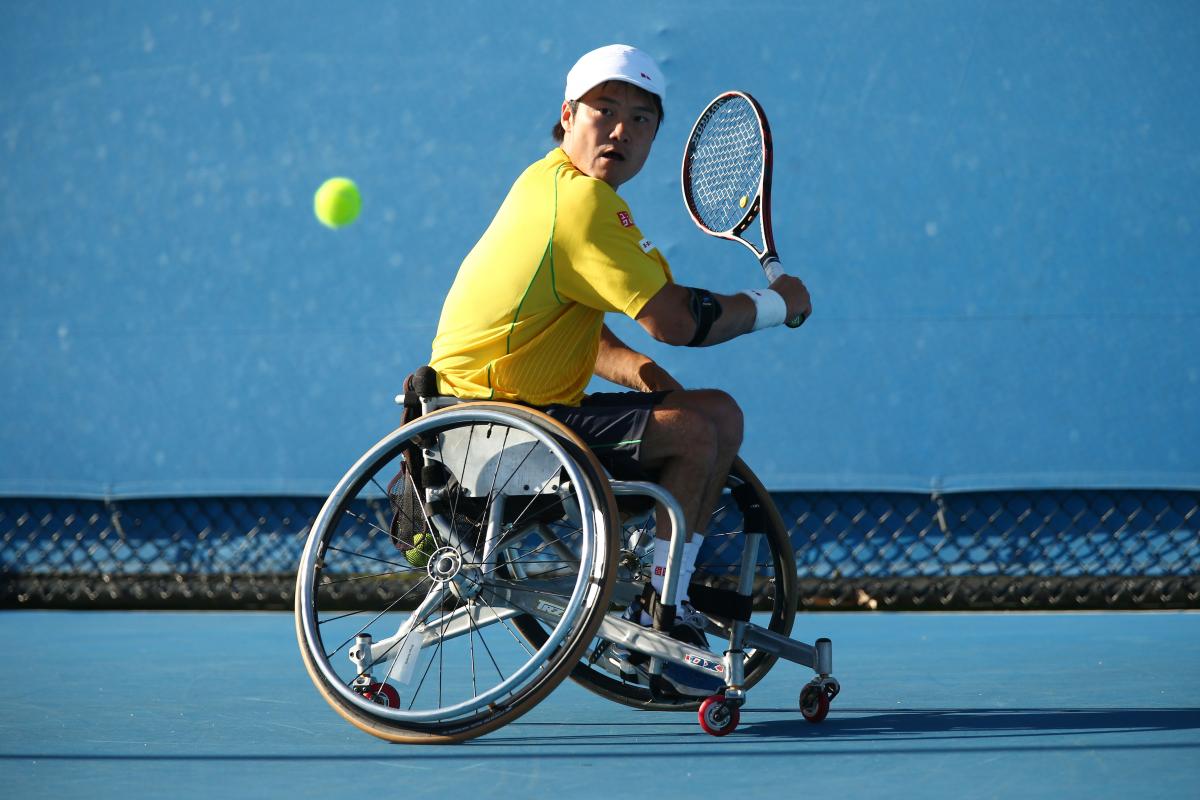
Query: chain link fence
point(855, 550)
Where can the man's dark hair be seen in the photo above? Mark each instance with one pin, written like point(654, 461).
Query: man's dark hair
point(559, 134)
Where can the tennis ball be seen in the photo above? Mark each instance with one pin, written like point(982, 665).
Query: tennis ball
point(743, 201)
point(337, 202)
point(419, 555)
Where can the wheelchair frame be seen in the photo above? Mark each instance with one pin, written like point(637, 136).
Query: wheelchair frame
point(478, 573)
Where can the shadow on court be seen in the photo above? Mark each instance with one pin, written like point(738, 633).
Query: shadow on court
point(868, 731)
point(975, 723)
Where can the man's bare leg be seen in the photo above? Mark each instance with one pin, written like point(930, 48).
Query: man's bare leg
point(692, 438)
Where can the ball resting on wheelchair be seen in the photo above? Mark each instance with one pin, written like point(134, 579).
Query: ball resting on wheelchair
point(528, 581)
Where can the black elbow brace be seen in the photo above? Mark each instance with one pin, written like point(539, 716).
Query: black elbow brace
point(705, 309)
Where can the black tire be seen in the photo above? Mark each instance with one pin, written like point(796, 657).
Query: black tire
point(350, 529)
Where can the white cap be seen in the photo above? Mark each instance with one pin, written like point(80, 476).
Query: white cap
point(615, 62)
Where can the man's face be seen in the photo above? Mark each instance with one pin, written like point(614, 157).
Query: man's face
point(609, 134)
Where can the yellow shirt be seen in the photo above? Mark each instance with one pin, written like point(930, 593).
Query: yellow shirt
point(522, 320)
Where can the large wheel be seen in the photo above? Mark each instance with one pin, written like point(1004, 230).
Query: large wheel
point(517, 525)
point(717, 566)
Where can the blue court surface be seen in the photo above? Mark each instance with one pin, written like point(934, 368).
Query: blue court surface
point(1063, 705)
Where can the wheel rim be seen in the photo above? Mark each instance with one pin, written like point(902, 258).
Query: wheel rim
point(560, 562)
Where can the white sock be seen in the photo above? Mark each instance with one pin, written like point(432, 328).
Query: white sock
point(659, 572)
point(690, 550)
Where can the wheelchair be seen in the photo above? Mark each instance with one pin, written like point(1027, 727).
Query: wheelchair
point(479, 555)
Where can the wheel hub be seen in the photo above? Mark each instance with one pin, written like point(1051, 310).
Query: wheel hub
point(444, 564)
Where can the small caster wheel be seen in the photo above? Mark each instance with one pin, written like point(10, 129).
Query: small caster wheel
point(382, 694)
point(718, 716)
point(814, 703)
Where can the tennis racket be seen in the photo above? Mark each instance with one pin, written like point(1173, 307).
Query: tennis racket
point(727, 177)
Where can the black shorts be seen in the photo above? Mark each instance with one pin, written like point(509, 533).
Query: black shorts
point(612, 425)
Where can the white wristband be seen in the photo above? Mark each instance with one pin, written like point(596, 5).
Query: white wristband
point(770, 309)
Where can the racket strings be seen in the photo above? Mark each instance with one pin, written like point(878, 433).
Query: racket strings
point(726, 162)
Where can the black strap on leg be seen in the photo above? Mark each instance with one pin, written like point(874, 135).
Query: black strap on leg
point(725, 603)
point(721, 603)
point(663, 616)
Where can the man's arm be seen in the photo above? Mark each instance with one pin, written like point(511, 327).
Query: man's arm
point(622, 365)
point(668, 317)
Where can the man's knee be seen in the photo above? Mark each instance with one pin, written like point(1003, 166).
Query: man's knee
point(711, 416)
point(726, 417)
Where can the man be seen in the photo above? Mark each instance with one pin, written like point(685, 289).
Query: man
point(524, 319)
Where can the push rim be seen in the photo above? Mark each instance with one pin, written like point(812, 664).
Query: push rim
point(582, 606)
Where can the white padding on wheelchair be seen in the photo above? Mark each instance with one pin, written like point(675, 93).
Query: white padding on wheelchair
point(503, 461)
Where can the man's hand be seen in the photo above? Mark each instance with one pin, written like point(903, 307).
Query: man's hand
point(793, 292)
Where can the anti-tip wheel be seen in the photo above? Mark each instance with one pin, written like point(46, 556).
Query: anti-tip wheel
point(382, 694)
point(814, 703)
point(718, 716)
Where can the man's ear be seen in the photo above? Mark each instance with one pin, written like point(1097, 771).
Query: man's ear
point(567, 118)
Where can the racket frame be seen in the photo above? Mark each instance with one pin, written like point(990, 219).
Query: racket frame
point(759, 207)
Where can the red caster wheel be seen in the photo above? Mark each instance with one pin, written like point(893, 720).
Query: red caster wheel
point(383, 694)
point(718, 717)
point(814, 703)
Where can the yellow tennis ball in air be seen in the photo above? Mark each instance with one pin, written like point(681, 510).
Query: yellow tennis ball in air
point(337, 202)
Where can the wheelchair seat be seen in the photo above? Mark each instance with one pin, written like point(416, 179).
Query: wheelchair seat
point(421, 396)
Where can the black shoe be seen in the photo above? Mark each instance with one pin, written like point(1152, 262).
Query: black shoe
point(689, 629)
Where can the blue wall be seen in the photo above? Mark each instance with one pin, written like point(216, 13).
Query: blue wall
point(996, 206)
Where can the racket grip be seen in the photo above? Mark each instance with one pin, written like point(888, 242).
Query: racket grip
point(772, 266)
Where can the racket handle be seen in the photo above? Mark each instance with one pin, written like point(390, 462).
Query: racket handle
point(774, 269)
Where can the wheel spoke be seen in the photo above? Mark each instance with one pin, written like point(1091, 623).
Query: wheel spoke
point(504, 622)
point(369, 558)
point(372, 526)
point(483, 642)
point(388, 608)
point(354, 578)
point(433, 656)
